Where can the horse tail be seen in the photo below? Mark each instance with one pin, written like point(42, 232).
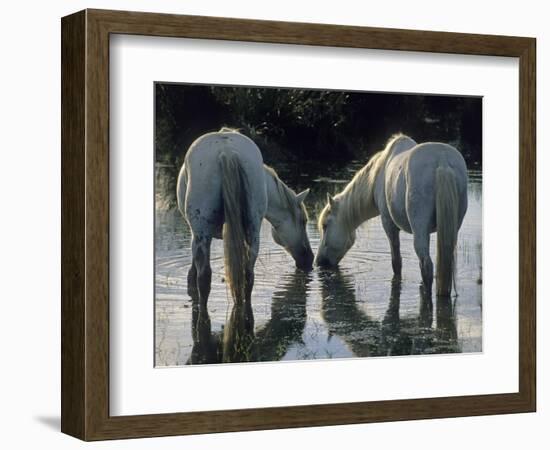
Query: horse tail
point(236, 238)
point(446, 210)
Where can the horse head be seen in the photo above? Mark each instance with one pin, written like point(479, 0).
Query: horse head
point(336, 236)
point(289, 231)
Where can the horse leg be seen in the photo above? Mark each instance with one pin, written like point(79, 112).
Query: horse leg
point(392, 232)
point(254, 250)
point(201, 260)
point(192, 289)
point(425, 316)
point(422, 249)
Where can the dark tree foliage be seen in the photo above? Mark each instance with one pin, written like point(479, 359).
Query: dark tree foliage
point(317, 126)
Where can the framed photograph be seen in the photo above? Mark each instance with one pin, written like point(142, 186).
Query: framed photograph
point(270, 224)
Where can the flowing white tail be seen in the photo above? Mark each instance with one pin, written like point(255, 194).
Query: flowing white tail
point(236, 236)
point(446, 207)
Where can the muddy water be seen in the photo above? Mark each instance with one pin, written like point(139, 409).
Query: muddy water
point(356, 311)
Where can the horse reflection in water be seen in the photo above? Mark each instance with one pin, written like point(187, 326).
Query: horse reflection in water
point(238, 341)
point(233, 344)
point(393, 335)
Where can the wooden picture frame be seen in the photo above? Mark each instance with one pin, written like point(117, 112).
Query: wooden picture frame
point(85, 224)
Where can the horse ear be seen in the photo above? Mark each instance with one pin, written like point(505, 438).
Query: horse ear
point(302, 196)
point(330, 200)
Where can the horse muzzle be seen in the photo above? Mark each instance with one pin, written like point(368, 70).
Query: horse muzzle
point(324, 262)
point(305, 261)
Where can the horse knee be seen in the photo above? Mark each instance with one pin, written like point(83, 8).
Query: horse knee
point(203, 269)
point(397, 264)
point(204, 278)
point(192, 281)
point(254, 247)
point(249, 278)
point(392, 232)
point(201, 263)
point(427, 271)
point(204, 281)
point(199, 258)
point(422, 249)
point(396, 260)
point(428, 266)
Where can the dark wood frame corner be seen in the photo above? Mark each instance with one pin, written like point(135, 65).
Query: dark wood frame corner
point(85, 224)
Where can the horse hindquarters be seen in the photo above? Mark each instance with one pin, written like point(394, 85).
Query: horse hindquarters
point(445, 210)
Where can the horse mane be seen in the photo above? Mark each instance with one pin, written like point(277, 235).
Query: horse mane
point(357, 198)
point(286, 194)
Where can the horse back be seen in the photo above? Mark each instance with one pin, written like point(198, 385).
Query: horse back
point(203, 154)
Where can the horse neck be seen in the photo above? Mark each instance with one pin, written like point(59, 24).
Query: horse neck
point(275, 201)
point(357, 201)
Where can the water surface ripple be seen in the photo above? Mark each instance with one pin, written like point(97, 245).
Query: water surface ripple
point(355, 311)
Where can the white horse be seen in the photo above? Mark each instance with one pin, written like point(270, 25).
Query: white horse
point(417, 188)
point(224, 191)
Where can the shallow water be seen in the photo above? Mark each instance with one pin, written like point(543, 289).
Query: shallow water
point(356, 311)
